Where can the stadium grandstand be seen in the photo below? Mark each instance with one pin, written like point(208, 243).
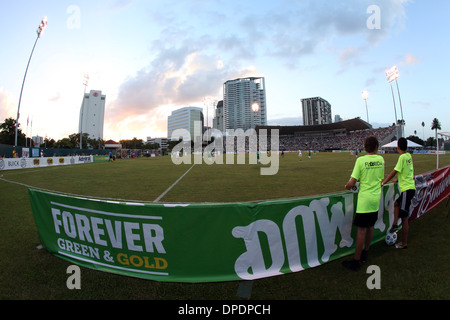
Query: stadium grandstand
point(342, 135)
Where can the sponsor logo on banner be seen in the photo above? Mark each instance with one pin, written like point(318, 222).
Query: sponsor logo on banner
point(308, 235)
point(119, 243)
point(431, 188)
point(24, 163)
point(13, 163)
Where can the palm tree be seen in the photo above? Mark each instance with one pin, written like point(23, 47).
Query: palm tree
point(435, 125)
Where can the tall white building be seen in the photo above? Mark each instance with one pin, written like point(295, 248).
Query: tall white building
point(316, 111)
point(239, 96)
point(185, 118)
point(92, 114)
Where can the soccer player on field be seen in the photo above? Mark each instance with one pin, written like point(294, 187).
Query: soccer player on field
point(299, 155)
point(405, 170)
point(369, 170)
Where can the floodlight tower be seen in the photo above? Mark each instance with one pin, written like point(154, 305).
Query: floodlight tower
point(365, 96)
point(391, 75)
point(39, 32)
point(85, 83)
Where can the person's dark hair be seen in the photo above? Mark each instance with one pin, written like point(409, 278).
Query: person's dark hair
point(402, 143)
point(371, 144)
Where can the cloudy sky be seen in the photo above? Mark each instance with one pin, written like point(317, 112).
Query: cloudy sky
point(152, 57)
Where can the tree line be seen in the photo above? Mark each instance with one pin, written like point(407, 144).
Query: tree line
point(8, 132)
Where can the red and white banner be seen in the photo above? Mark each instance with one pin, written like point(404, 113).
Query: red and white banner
point(431, 189)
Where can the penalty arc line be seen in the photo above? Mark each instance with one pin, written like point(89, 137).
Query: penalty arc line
point(173, 185)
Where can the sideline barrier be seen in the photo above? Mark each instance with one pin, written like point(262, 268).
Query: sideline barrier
point(26, 163)
point(214, 242)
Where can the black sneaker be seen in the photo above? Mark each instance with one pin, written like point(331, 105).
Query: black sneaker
point(352, 264)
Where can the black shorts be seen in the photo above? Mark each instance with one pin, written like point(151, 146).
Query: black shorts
point(365, 220)
point(404, 202)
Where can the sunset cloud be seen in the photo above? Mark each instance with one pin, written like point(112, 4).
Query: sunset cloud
point(410, 59)
point(177, 78)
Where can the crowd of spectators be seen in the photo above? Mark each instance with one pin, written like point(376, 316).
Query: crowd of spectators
point(350, 141)
point(327, 141)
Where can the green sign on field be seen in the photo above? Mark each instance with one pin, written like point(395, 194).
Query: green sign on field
point(101, 158)
point(212, 242)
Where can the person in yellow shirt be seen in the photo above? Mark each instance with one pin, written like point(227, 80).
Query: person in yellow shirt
point(406, 183)
point(369, 170)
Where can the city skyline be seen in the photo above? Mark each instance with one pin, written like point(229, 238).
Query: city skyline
point(151, 58)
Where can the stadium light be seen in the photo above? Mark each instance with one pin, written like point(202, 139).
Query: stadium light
point(39, 31)
point(255, 107)
point(391, 75)
point(365, 96)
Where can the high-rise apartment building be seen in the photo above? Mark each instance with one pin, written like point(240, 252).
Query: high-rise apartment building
point(316, 111)
point(185, 118)
point(218, 118)
point(92, 114)
point(244, 103)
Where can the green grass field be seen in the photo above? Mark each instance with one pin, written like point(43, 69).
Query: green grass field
point(421, 272)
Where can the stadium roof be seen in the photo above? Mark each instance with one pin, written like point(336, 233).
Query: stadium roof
point(341, 126)
point(410, 144)
point(111, 144)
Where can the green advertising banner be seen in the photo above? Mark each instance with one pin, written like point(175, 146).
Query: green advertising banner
point(101, 158)
point(206, 242)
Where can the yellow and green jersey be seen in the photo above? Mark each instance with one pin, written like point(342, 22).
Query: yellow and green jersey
point(369, 170)
point(405, 170)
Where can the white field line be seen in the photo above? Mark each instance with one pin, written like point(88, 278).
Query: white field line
point(173, 185)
